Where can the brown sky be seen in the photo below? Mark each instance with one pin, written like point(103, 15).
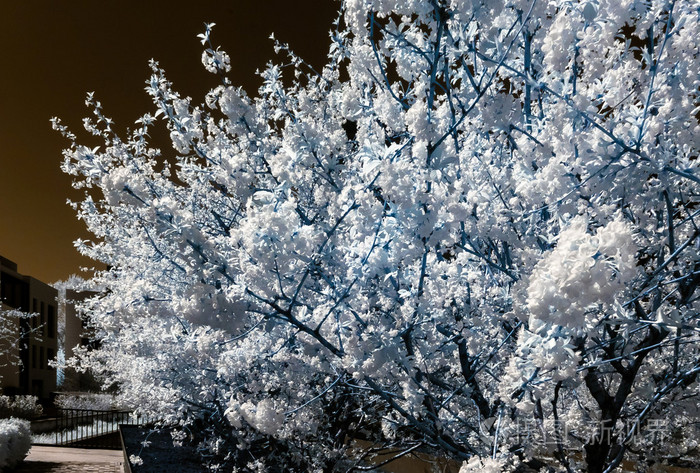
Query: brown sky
point(54, 51)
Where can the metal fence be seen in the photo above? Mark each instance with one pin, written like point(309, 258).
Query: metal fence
point(88, 428)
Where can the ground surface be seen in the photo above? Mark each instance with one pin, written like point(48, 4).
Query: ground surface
point(71, 460)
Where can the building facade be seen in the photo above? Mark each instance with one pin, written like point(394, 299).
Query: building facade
point(25, 364)
point(77, 333)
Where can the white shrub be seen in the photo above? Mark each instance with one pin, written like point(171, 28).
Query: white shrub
point(95, 401)
point(15, 442)
point(23, 407)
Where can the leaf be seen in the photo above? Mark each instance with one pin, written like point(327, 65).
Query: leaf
point(589, 12)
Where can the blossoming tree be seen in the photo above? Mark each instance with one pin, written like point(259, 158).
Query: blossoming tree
point(9, 334)
point(474, 232)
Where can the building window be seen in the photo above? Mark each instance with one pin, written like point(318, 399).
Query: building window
point(42, 319)
point(38, 388)
point(49, 356)
point(41, 358)
point(51, 322)
point(34, 305)
point(33, 356)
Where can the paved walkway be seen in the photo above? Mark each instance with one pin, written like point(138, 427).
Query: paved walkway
point(71, 460)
